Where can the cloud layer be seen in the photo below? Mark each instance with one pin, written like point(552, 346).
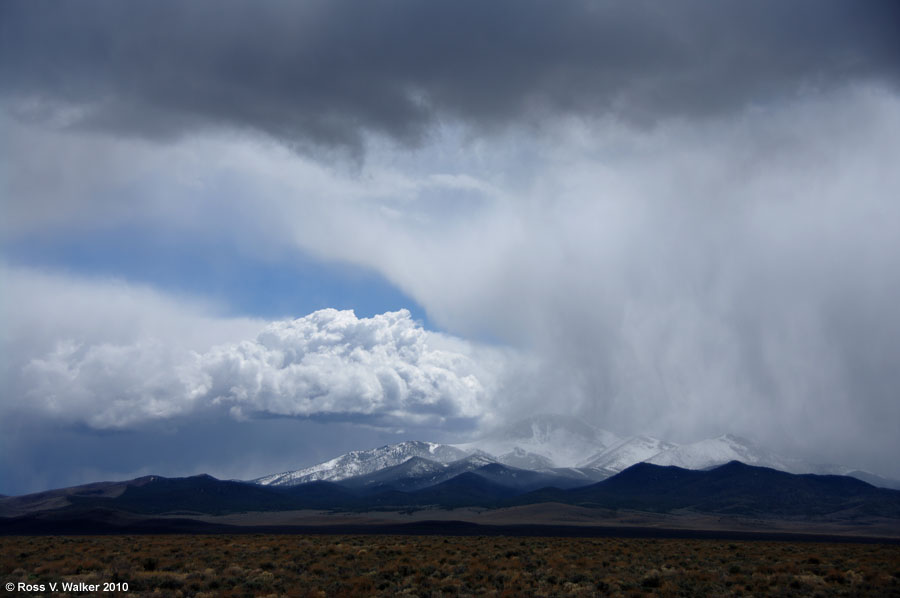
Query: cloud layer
point(332, 72)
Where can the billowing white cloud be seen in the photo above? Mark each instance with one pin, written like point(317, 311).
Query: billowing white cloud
point(102, 351)
point(111, 386)
point(384, 370)
point(331, 363)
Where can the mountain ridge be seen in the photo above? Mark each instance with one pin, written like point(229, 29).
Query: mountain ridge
point(563, 445)
point(733, 489)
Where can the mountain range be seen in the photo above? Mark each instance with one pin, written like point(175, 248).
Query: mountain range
point(733, 490)
point(557, 446)
point(551, 463)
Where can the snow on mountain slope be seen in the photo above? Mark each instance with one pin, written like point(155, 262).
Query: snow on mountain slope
point(418, 472)
point(556, 440)
point(628, 452)
point(557, 445)
point(582, 474)
point(716, 451)
point(363, 462)
point(412, 474)
point(525, 460)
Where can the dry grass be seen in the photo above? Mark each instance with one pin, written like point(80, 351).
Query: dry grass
point(249, 566)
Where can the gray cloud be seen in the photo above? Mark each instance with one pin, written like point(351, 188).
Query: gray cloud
point(332, 72)
point(36, 454)
point(737, 275)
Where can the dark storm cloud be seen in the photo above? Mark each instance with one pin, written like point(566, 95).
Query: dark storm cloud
point(328, 72)
point(39, 454)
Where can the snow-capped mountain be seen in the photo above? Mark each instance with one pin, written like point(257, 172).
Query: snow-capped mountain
point(626, 453)
point(725, 448)
point(538, 443)
point(544, 440)
point(552, 445)
point(357, 463)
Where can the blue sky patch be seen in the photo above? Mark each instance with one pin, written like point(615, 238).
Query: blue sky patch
point(288, 284)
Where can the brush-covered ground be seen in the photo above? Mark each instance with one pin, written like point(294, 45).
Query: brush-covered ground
point(435, 566)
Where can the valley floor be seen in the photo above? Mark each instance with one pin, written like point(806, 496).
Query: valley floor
point(556, 514)
point(436, 566)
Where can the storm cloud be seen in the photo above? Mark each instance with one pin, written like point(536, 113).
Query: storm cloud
point(334, 72)
point(677, 219)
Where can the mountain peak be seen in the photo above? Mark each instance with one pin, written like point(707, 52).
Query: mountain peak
point(734, 464)
point(356, 463)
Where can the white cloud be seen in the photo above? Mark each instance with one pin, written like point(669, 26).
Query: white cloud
point(102, 351)
point(108, 365)
point(110, 386)
point(331, 363)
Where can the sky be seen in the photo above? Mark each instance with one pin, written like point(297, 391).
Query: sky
point(239, 238)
